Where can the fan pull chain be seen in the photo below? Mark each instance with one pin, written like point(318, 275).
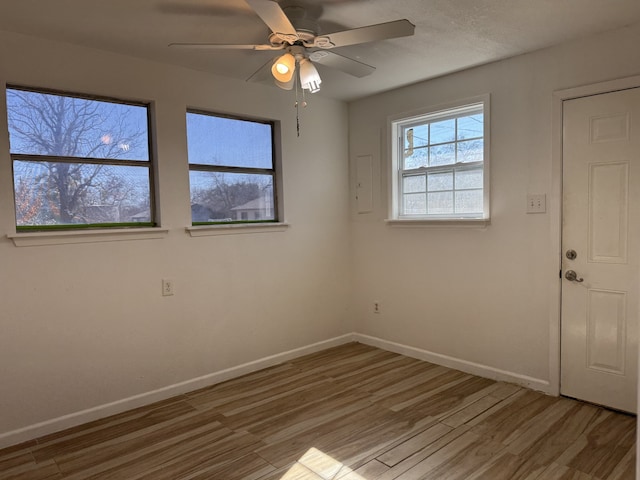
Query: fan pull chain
point(297, 120)
point(297, 106)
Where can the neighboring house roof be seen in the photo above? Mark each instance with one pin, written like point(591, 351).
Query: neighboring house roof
point(255, 204)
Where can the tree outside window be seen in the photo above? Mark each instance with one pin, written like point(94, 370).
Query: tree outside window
point(78, 162)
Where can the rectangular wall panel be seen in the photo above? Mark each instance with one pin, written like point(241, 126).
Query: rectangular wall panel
point(608, 212)
point(364, 183)
point(606, 331)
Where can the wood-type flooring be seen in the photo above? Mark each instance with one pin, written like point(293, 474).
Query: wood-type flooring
point(352, 412)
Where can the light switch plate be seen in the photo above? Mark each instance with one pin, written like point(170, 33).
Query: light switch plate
point(537, 203)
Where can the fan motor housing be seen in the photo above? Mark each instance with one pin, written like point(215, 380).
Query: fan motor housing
point(305, 24)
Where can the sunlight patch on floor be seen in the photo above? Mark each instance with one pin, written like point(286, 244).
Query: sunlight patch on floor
point(316, 465)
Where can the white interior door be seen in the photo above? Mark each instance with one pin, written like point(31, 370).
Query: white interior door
point(601, 224)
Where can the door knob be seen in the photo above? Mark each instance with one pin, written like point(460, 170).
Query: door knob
point(573, 276)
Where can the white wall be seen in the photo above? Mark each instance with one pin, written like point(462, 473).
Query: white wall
point(84, 325)
point(483, 296)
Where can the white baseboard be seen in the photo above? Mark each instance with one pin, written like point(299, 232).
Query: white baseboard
point(78, 418)
point(457, 363)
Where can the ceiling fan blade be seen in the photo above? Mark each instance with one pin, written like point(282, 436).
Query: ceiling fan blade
point(344, 64)
point(222, 46)
point(372, 33)
point(272, 14)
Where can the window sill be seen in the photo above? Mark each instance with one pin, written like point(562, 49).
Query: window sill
point(430, 223)
point(33, 239)
point(235, 229)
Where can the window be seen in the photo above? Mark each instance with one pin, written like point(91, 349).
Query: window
point(79, 161)
point(440, 164)
point(231, 169)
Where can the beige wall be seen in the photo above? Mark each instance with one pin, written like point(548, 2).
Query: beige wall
point(84, 325)
point(482, 296)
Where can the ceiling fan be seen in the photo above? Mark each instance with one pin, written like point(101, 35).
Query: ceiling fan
point(294, 29)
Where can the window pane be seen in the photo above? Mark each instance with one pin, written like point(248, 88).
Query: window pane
point(470, 127)
point(440, 181)
point(469, 179)
point(443, 155)
point(414, 183)
point(49, 193)
point(416, 136)
point(228, 142)
point(415, 204)
point(65, 126)
point(416, 158)
point(471, 151)
point(231, 197)
point(444, 131)
point(440, 203)
point(469, 201)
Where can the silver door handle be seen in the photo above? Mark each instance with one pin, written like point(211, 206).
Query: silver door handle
point(573, 276)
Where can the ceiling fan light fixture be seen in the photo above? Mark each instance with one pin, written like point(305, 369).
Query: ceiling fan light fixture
point(284, 68)
point(285, 85)
point(309, 76)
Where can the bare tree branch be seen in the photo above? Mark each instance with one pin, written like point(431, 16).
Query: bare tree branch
point(68, 127)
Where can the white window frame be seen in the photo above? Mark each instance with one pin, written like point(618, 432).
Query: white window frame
point(278, 224)
point(430, 114)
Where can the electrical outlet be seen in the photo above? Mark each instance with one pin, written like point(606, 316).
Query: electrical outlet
point(167, 287)
point(537, 203)
point(376, 307)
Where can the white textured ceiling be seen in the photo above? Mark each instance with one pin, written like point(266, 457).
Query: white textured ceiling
point(450, 34)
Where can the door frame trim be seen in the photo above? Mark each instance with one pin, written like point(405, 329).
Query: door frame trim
point(555, 212)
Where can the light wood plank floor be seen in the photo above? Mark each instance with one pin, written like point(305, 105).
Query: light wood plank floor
point(352, 413)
